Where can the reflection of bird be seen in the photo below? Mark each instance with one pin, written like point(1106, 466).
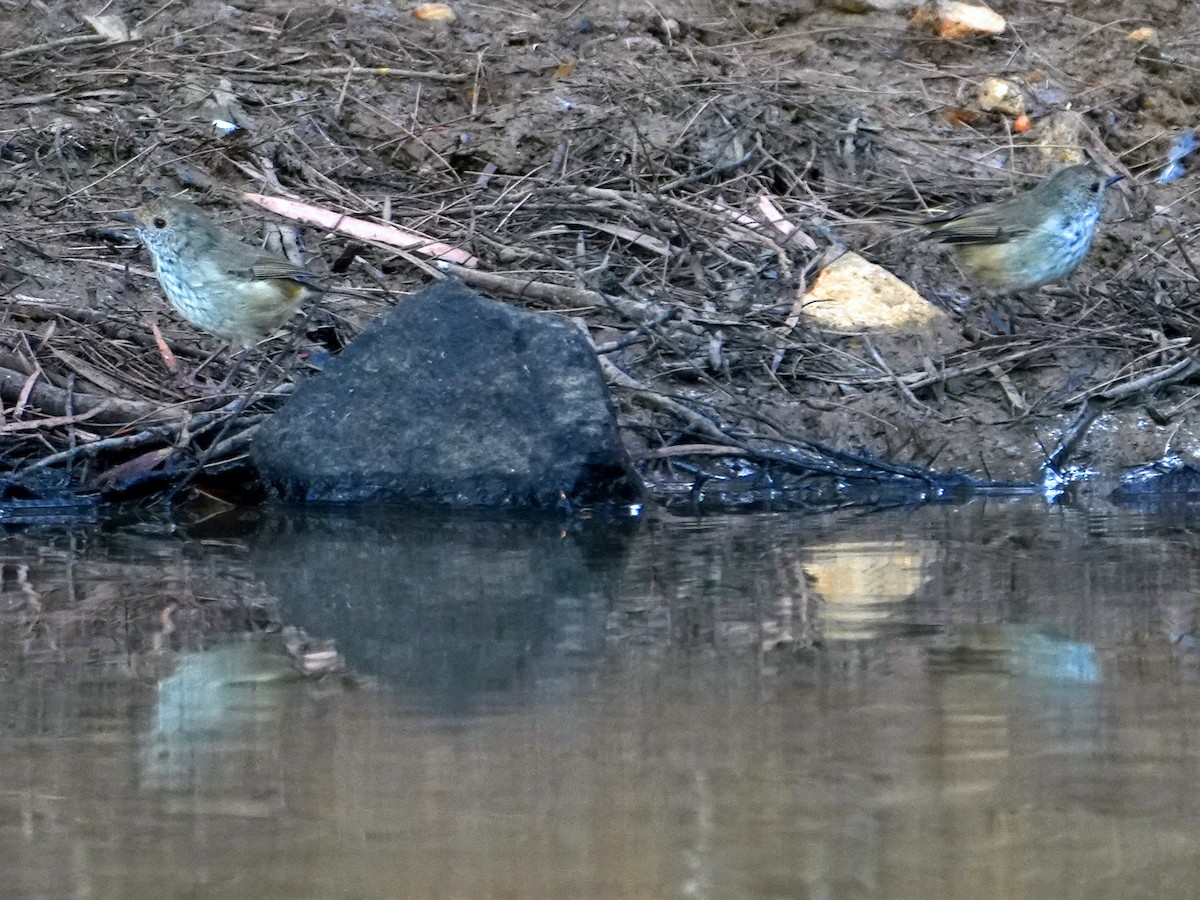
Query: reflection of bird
point(1031, 239)
point(220, 285)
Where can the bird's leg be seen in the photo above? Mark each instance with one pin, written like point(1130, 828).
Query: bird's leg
point(233, 370)
point(191, 383)
point(208, 361)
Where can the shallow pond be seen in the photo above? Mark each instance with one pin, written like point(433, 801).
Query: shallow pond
point(992, 699)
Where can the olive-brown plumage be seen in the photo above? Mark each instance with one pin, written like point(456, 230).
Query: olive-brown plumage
point(234, 291)
point(1031, 239)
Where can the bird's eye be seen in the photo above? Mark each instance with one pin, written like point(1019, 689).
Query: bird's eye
point(160, 222)
point(1096, 185)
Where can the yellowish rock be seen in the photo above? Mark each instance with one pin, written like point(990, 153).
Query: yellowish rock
point(954, 20)
point(999, 95)
point(434, 12)
point(855, 295)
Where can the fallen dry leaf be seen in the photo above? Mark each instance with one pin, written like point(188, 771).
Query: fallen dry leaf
point(139, 465)
point(110, 27)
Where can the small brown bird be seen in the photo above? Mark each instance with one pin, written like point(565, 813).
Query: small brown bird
point(234, 291)
point(1033, 238)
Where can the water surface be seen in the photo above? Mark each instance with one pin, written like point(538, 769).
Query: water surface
point(981, 700)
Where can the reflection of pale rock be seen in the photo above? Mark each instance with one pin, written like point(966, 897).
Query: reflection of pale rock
point(852, 293)
point(868, 571)
point(861, 582)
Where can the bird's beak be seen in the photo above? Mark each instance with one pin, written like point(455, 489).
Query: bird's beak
point(1113, 179)
point(126, 217)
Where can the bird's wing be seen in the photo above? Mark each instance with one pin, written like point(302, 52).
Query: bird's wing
point(244, 261)
point(271, 267)
point(986, 225)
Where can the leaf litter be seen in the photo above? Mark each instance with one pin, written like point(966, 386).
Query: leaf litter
point(672, 177)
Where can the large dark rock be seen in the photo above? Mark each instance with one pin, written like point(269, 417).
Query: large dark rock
point(453, 399)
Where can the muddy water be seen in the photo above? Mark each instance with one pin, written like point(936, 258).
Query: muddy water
point(976, 701)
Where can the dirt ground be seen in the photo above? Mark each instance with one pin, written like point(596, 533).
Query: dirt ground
point(592, 156)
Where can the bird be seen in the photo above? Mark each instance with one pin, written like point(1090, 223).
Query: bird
point(1029, 240)
point(237, 293)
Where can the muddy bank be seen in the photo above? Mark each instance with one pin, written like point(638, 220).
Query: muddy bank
point(607, 162)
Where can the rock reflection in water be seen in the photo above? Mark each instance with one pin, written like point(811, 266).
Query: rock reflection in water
point(449, 607)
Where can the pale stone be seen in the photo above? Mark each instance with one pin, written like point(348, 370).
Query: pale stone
point(434, 12)
point(853, 294)
point(953, 20)
point(998, 95)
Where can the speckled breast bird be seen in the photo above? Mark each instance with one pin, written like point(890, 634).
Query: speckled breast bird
point(219, 284)
point(1031, 239)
